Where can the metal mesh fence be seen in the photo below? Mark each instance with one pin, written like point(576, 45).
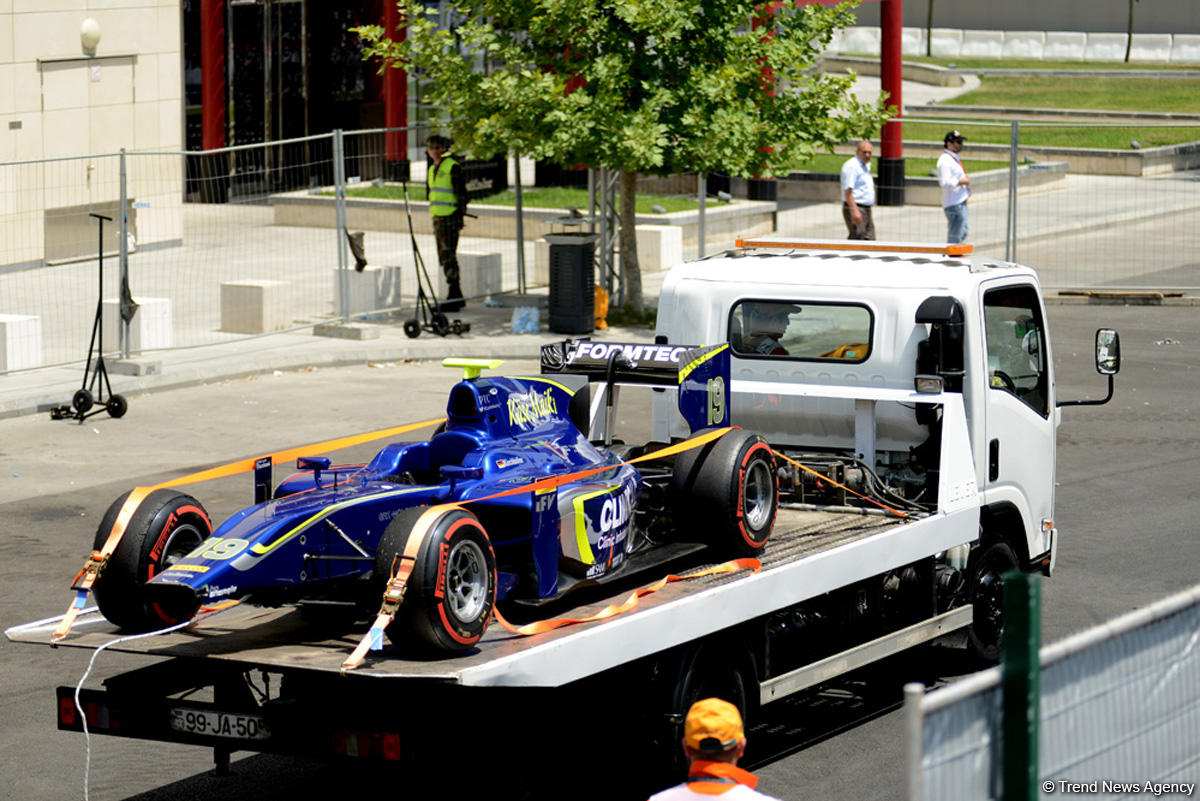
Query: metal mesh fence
point(1083, 217)
point(243, 241)
point(1120, 714)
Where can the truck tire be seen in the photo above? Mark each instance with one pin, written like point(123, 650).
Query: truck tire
point(985, 588)
point(166, 526)
point(727, 490)
point(710, 670)
point(452, 589)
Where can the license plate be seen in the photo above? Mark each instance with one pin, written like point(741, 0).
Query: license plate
point(219, 724)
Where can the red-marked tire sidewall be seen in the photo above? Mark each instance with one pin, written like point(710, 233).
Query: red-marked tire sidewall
point(756, 465)
point(726, 492)
point(165, 526)
point(452, 589)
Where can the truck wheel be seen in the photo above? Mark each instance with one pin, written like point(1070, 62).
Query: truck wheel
point(166, 526)
point(452, 589)
point(729, 489)
point(707, 671)
point(988, 565)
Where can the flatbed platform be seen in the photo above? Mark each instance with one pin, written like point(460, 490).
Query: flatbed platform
point(811, 552)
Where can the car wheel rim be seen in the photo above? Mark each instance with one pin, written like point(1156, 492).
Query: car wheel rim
point(466, 580)
point(989, 610)
point(183, 540)
point(757, 494)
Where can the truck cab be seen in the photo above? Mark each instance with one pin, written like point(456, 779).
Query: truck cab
point(836, 317)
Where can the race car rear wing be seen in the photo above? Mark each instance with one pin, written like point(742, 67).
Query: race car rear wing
point(700, 373)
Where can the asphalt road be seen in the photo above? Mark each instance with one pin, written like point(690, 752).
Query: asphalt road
point(1125, 507)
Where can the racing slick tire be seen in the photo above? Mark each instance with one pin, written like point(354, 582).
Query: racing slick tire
point(452, 588)
point(166, 526)
point(985, 588)
point(729, 489)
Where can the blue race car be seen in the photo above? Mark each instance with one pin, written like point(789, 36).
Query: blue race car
point(331, 535)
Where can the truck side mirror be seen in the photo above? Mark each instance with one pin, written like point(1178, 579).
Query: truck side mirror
point(1108, 351)
point(1108, 362)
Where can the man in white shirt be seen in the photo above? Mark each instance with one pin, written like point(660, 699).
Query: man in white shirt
point(956, 187)
point(858, 193)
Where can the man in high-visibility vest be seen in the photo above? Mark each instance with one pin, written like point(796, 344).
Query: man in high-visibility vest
point(714, 742)
point(447, 192)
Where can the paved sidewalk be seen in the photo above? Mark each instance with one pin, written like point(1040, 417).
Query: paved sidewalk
point(490, 336)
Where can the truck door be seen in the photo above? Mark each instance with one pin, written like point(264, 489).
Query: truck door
point(1020, 420)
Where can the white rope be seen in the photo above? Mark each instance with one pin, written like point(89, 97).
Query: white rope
point(87, 738)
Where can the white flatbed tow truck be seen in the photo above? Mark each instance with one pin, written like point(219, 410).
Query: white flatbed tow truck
point(894, 532)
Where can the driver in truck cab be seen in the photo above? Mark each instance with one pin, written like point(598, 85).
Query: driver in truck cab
point(763, 325)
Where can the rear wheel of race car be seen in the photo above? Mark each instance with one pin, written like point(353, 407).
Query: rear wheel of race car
point(452, 589)
point(166, 526)
point(728, 491)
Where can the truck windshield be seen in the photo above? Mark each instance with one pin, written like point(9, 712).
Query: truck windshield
point(800, 330)
point(1016, 345)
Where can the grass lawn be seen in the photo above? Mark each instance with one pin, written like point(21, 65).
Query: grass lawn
point(913, 167)
point(1121, 94)
point(540, 197)
point(1075, 135)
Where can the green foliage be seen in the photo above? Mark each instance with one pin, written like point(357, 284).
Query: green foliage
point(555, 197)
point(653, 86)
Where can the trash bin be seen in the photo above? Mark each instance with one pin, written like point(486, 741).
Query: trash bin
point(572, 288)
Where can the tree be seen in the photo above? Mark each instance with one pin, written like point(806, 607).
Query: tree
point(1129, 32)
point(638, 86)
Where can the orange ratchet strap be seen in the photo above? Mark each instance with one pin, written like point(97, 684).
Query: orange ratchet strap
point(96, 562)
point(613, 610)
point(828, 480)
point(393, 595)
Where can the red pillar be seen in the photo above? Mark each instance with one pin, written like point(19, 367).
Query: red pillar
point(395, 101)
point(212, 74)
point(891, 161)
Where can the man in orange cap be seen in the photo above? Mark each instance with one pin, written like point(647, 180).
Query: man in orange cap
point(714, 741)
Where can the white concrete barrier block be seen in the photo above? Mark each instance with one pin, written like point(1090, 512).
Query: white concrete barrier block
point(1064, 46)
point(255, 306)
point(1105, 47)
point(372, 289)
point(480, 272)
point(150, 327)
point(982, 44)
point(1024, 44)
point(20, 341)
point(861, 40)
point(1185, 48)
point(835, 42)
point(1151, 48)
point(659, 247)
point(541, 264)
point(912, 41)
point(946, 42)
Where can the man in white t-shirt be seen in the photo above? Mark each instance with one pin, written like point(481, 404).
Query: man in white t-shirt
point(714, 741)
point(956, 187)
point(858, 193)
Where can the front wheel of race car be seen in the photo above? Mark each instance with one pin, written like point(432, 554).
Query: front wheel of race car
point(727, 492)
point(166, 526)
point(452, 588)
